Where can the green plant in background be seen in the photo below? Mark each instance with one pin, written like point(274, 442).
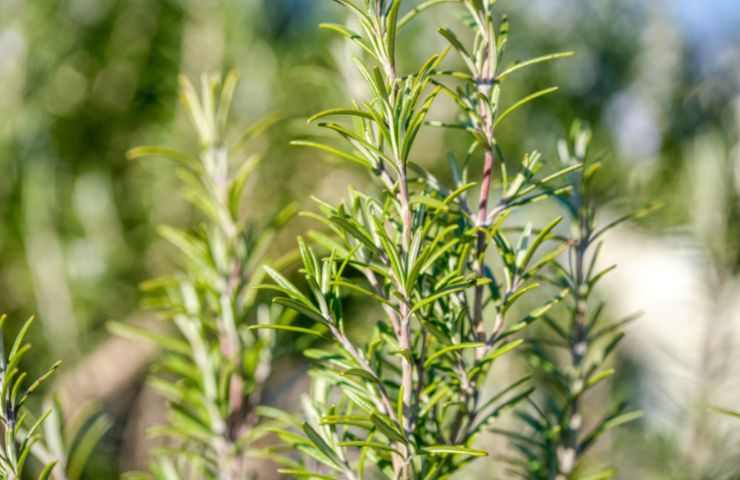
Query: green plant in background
point(213, 371)
point(70, 443)
point(83, 81)
point(408, 402)
point(572, 359)
point(22, 430)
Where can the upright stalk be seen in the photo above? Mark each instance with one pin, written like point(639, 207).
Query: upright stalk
point(409, 397)
point(481, 247)
point(212, 299)
point(484, 76)
point(560, 425)
point(579, 344)
point(386, 20)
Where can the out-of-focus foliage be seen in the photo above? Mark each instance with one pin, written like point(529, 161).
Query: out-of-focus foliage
point(20, 427)
point(213, 372)
point(85, 80)
point(70, 443)
point(571, 352)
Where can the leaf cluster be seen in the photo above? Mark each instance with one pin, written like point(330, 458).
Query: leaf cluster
point(21, 430)
point(214, 366)
point(572, 356)
point(407, 399)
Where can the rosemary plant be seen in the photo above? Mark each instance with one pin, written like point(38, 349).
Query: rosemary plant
point(574, 362)
point(407, 401)
point(21, 431)
point(213, 370)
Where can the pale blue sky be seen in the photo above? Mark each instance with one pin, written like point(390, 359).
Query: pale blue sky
point(713, 21)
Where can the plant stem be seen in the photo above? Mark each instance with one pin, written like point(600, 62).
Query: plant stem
point(568, 453)
point(484, 80)
point(479, 267)
point(403, 198)
point(404, 338)
point(231, 463)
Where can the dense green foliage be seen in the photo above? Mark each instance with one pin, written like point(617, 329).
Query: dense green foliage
point(439, 259)
point(409, 401)
point(21, 430)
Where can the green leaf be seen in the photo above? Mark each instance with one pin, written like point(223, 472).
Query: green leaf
point(610, 422)
point(416, 10)
point(302, 308)
point(37, 383)
point(377, 81)
point(137, 333)
point(457, 45)
point(393, 256)
point(228, 87)
point(347, 33)
point(188, 244)
point(452, 348)
point(352, 112)
point(725, 411)
point(257, 129)
point(18, 342)
point(595, 279)
point(503, 350)
point(543, 235)
point(84, 444)
point(454, 450)
point(622, 419)
point(352, 420)
point(386, 427)
point(164, 152)
point(361, 291)
point(459, 191)
point(287, 328)
point(334, 151)
point(350, 5)
point(291, 438)
point(544, 58)
point(363, 374)
point(597, 378)
point(445, 292)
point(277, 414)
point(607, 474)
point(429, 202)
point(286, 286)
point(392, 27)
point(353, 230)
point(321, 444)
point(500, 118)
point(46, 472)
point(236, 189)
point(300, 473)
point(366, 444)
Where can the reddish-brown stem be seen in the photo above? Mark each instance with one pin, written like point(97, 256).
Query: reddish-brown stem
point(488, 161)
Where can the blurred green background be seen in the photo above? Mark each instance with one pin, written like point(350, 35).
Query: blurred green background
point(82, 81)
